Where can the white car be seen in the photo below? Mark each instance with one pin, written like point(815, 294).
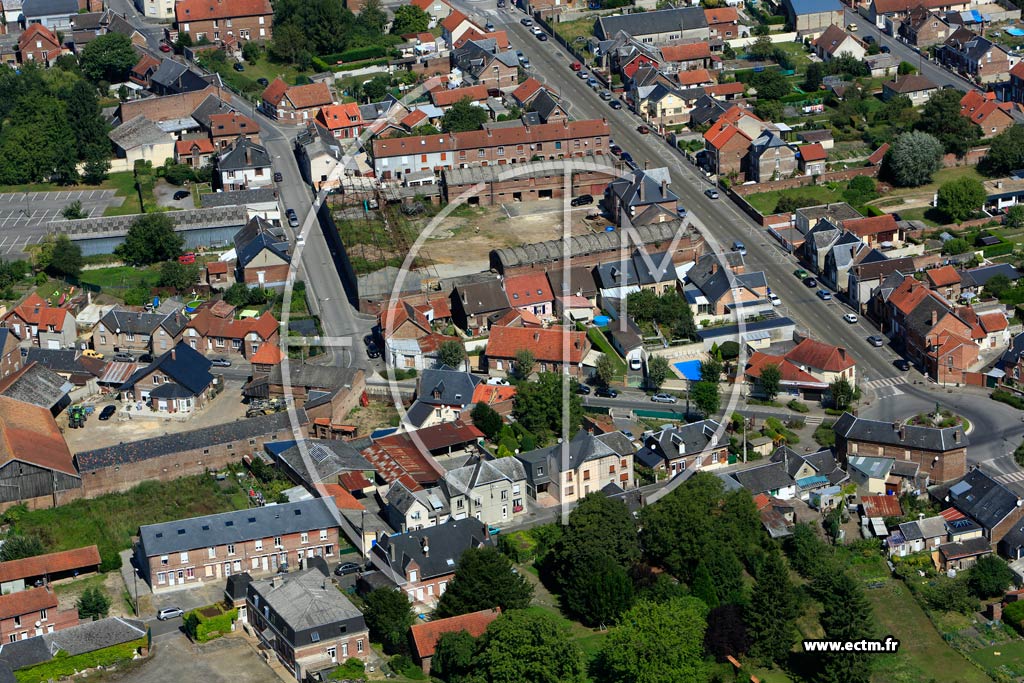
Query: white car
point(169, 613)
point(497, 381)
point(776, 301)
point(850, 317)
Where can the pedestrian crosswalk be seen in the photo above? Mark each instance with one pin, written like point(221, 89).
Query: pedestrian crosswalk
point(1011, 478)
point(884, 382)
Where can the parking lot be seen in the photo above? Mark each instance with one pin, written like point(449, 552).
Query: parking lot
point(230, 659)
point(24, 215)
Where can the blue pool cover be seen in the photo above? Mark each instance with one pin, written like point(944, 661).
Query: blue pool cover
point(1015, 31)
point(689, 368)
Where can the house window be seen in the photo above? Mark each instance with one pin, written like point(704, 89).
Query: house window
point(568, 476)
point(480, 153)
point(460, 504)
point(17, 621)
point(14, 637)
point(103, 339)
point(231, 548)
point(304, 537)
point(315, 636)
point(190, 572)
point(504, 495)
point(236, 344)
point(184, 558)
point(611, 469)
point(277, 541)
point(163, 559)
point(328, 550)
point(569, 490)
point(259, 544)
point(586, 475)
point(161, 578)
point(413, 575)
point(211, 553)
point(501, 151)
point(332, 652)
point(359, 645)
point(129, 336)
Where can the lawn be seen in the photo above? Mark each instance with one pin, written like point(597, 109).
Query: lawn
point(1009, 661)
point(572, 31)
point(110, 521)
point(597, 338)
point(245, 81)
point(942, 176)
point(119, 279)
point(765, 201)
point(797, 53)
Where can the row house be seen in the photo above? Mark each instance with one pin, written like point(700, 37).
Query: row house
point(262, 255)
point(975, 56)
point(941, 453)
point(892, 12)
point(32, 612)
point(442, 395)
point(483, 63)
point(551, 350)
point(727, 142)
point(492, 491)
point(995, 508)
point(36, 323)
point(723, 23)
point(209, 332)
point(10, 353)
point(196, 152)
point(216, 20)
point(660, 27)
point(677, 448)
point(455, 25)
point(771, 158)
point(588, 463)
point(199, 550)
point(137, 332)
point(494, 145)
point(344, 121)
point(296, 103)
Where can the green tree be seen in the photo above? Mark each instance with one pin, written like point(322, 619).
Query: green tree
point(941, 118)
point(487, 420)
point(998, 285)
point(989, 577)
point(605, 369)
point(525, 363)
point(842, 392)
point(846, 616)
point(727, 634)
point(372, 17)
point(773, 610)
point(376, 88)
point(1006, 152)
point(957, 245)
point(771, 85)
point(86, 121)
point(454, 652)
point(251, 51)
point(642, 305)
point(538, 406)
point(726, 572)
point(604, 524)
point(74, 212)
point(389, 615)
point(703, 586)
point(813, 76)
point(596, 588)
point(961, 198)
point(711, 369)
point(409, 19)
point(1015, 217)
point(65, 259)
point(770, 381)
point(914, 157)
point(906, 69)
point(528, 646)
point(451, 353)
point(181, 276)
point(484, 579)
point(17, 547)
point(657, 643)
point(93, 604)
point(290, 44)
point(657, 371)
point(463, 116)
point(807, 553)
point(108, 58)
point(705, 397)
point(761, 49)
point(150, 239)
point(97, 165)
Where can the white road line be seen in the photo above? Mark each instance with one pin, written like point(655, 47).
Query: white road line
point(3, 241)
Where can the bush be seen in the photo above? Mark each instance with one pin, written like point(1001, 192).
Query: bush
point(798, 407)
point(64, 665)
point(824, 435)
point(352, 670)
point(401, 664)
point(1008, 398)
point(202, 628)
point(1013, 614)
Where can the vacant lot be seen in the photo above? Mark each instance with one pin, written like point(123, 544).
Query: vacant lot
point(765, 202)
point(117, 280)
point(110, 521)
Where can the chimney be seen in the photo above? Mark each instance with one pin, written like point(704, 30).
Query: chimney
point(714, 267)
point(935, 317)
point(956, 435)
point(903, 433)
point(895, 426)
point(425, 544)
point(664, 189)
point(173, 356)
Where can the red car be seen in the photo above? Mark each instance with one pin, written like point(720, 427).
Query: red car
point(187, 258)
point(643, 130)
point(575, 66)
point(164, 47)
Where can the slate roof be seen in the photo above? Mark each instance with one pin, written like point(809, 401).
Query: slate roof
point(643, 188)
point(445, 545)
point(308, 376)
point(454, 387)
point(481, 297)
point(135, 451)
point(929, 527)
point(135, 322)
point(765, 478)
point(329, 458)
point(924, 438)
point(462, 480)
point(95, 635)
point(183, 364)
point(37, 385)
point(237, 526)
point(235, 159)
point(257, 235)
point(24, 653)
point(707, 110)
point(981, 275)
point(982, 498)
point(682, 440)
point(49, 8)
point(137, 132)
point(659, 21)
point(306, 600)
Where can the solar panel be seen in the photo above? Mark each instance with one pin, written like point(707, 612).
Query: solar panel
point(435, 502)
point(319, 453)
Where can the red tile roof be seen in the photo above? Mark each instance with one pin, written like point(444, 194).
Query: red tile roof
point(546, 345)
point(813, 152)
point(952, 514)
point(493, 393)
point(423, 4)
point(695, 77)
point(721, 15)
point(452, 21)
point(203, 10)
point(413, 119)
point(393, 318)
point(789, 373)
point(267, 354)
point(398, 458)
point(993, 322)
point(446, 98)
point(942, 277)
point(217, 267)
point(448, 434)
point(308, 96)
point(500, 38)
point(721, 132)
point(233, 124)
point(274, 92)
point(210, 325)
point(426, 634)
point(86, 559)
point(527, 89)
point(882, 506)
point(342, 498)
point(336, 116)
point(685, 53)
point(908, 294)
point(527, 289)
point(37, 32)
point(29, 433)
point(184, 148)
point(872, 225)
point(724, 89)
point(879, 154)
point(34, 311)
point(821, 356)
point(354, 481)
point(27, 601)
point(1018, 70)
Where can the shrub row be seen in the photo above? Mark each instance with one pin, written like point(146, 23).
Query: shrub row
point(1008, 398)
point(202, 628)
point(64, 665)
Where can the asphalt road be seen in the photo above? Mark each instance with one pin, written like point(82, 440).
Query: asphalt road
point(721, 221)
point(936, 73)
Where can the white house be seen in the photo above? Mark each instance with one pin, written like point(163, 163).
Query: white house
point(244, 166)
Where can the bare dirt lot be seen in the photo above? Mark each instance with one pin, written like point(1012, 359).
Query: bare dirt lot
point(226, 660)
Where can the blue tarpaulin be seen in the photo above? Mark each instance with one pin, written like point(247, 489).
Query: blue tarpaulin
point(1015, 31)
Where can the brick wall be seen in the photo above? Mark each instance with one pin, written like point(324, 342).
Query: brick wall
point(46, 502)
point(688, 249)
point(805, 180)
point(972, 158)
point(951, 465)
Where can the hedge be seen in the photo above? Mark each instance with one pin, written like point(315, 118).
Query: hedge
point(1000, 249)
point(64, 665)
point(201, 628)
point(1008, 398)
point(1013, 614)
point(356, 54)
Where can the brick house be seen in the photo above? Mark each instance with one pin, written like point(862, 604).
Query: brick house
point(296, 103)
point(306, 621)
point(208, 332)
point(244, 165)
point(723, 23)
point(874, 230)
point(992, 116)
point(178, 381)
point(37, 323)
point(196, 152)
point(32, 612)
point(591, 464)
point(40, 45)
point(37, 468)
point(945, 280)
point(992, 505)
point(484, 64)
point(808, 368)
point(190, 552)
point(10, 353)
point(770, 158)
point(968, 53)
point(421, 563)
point(918, 89)
point(923, 27)
point(143, 70)
point(425, 635)
point(728, 140)
point(939, 453)
point(136, 332)
point(263, 258)
point(216, 20)
point(187, 453)
point(546, 345)
point(344, 121)
point(530, 292)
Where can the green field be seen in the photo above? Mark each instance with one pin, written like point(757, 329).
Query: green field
point(245, 81)
point(597, 338)
point(1009, 661)
point(765, 201)
point(110, 521)
point(120, 278)
point(572, 31)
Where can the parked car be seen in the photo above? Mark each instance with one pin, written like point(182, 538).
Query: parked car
point(810, 282)
point(181, 194)
point(582, 200)
point(238, 66)
point(606, 392)
point(884, 49)
point(501, 4)
point(188, 258)
point(489, 26)
point(169, 613)
point(220, 362)
point(293, 218)
point(262, 81)
point(824, 294)
point(642, 129)
point(711, 193)
point(576, 66)
point(852, 28)
point(636, 364)
point(372, 350)
point(146, 358)
point(739, 247)
point(583, 390)
point(164, 47)
point(526, 21)
point(278, 178)
point(616, 150)
point(606, 95)
point(875, 340)
point(107, 413)
point(524, 62)
point(346, 568)
point(868, 40)
point(615, 104)
point(664, 398)
point(124, 357)
point(900, 363)
point(90, 353)
point(542, 37)
point(850, 317)
point(772, 297)
point(800, 273)
point(582, 75)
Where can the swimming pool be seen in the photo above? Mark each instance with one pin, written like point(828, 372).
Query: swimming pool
point(690, 369)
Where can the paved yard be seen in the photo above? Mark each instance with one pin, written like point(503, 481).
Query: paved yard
point(24, 215)
point(227, 660)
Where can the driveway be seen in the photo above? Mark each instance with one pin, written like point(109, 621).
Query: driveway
point(227, 660)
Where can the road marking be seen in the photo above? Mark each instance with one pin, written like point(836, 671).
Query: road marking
point(1011, 478)
point(884, 382)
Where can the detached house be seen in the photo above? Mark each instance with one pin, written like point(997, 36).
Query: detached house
point(681, 447)
point(216, 20)
point(770, 158)
point(549, 346)
point(40, 45)
point(835, 42)
point(941, 453)
point(442, 395)
point(179, 381)
point(485, 64)
point(588, 463)
point(136, 333)
point(36, 323)
point(297, 103)
point(244, 166)
point(422, 563)
point(918, 89)
point(263, 258)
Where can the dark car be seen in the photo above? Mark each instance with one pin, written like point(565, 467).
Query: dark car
point(615, 104)
point(615, 149)
point(884, 49)
point(501, 3)
point(810, 282)
point(606, 392)
point(900, 363)
point(372, 350)
point(181, 194)
point(108, 413)
point(542, 37)
point(868, 39)
point(346, 568)
point(238, 66)
point(220, 362)
point(583, 390)
point(582, 200)
point(627, 157)
point(262, 81)
point(642, 129)
point(145, 358)
point(278, 178)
